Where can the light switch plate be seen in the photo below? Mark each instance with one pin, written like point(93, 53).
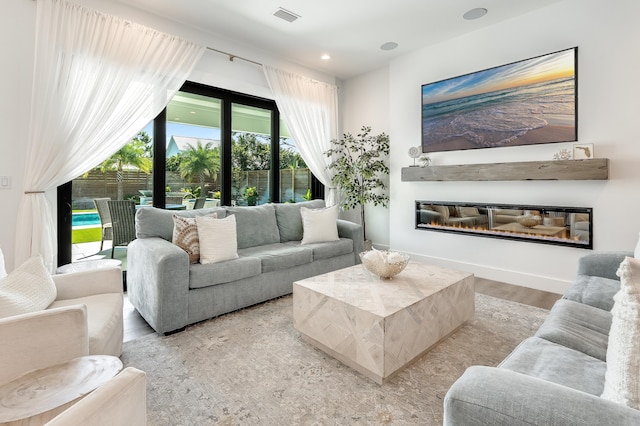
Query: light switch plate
point(5, 182)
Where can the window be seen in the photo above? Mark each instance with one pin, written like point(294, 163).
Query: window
point(223, 146)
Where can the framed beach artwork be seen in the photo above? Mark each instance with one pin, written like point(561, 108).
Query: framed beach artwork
point(533, 101)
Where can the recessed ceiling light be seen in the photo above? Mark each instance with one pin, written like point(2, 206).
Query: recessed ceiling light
point(476, 13)
point(325, 57)
point(192, 112)
point(390, 45)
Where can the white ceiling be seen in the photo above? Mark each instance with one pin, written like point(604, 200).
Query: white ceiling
point(351, 31)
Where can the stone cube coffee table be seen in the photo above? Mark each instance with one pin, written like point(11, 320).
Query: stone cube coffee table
point(378, 326)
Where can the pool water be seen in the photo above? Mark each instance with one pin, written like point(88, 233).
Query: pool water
point(85, 219)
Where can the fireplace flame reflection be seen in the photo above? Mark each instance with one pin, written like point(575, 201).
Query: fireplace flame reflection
point(569, 226)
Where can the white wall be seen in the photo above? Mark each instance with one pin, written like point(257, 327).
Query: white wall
point(608, 66)
point(364, 102)
point(17, 37)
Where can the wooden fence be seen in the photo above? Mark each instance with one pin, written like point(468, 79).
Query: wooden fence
point(97, 184)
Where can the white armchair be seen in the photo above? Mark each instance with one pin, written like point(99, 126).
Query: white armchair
point(57, 335)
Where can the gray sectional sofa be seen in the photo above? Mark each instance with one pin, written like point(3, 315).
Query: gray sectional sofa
point(170, 293)
point(557, 376)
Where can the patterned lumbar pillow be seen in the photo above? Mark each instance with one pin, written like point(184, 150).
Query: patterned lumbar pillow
point(622, 379)
point(218, 239)
point(185, 235)
point(28, 288)
point(319, 225)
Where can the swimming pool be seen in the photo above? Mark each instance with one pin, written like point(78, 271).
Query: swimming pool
point(85, 219)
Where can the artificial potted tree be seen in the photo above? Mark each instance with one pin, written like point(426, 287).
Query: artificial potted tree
point(359, 165)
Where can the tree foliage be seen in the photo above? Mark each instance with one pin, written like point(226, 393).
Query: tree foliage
point(134, 154)
point(359, 165)
point(200, 160)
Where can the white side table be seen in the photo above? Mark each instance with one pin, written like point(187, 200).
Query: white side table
point(49, 388)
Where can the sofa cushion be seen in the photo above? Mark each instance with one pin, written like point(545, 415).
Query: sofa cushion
point(290, 221)
point(622, 380)
point(223, 272)
point(279, 256)
point(558, 364)
point(217, 237)
point(578, 326)
point(256, 225)
point(28, 288)
point(331, 249)
point(319, 225)
point(152, 222)
point(593, 291)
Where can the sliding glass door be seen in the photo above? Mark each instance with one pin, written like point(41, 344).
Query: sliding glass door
point(209, 144)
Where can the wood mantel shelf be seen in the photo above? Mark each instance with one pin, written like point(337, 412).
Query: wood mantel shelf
point(595, 169)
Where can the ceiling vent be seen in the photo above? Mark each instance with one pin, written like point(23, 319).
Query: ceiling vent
point(286, 15)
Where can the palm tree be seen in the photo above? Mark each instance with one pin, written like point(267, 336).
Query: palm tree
point(132, 154)
point(201, 160)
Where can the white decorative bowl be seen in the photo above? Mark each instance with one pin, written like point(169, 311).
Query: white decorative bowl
point(384, 263)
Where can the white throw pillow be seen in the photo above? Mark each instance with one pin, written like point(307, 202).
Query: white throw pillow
point(218, 239)
point(185, 235)
point(622, 379)
point(3, 271)
point(319, 225)
point(28, 288)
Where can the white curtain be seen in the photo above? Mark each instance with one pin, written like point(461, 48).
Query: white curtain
point(309, 108)
point(98, 80)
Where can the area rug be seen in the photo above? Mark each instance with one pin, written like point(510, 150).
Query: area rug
point(251, 367)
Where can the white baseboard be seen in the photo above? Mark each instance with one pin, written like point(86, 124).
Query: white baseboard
point(538, 282)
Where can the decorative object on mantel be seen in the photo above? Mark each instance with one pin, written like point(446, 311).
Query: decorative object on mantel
point(360, 165)
point(583, 151)
point(425, 160)
point(596, 169)
point(384, 263)
point(415, 152)
point(563, 154)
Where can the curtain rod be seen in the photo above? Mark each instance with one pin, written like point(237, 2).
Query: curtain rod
point(232, 56)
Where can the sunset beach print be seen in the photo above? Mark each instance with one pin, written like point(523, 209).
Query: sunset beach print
point(527, 102)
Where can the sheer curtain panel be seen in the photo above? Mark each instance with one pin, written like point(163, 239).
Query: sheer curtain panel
point(309, 108)
point(98, 80)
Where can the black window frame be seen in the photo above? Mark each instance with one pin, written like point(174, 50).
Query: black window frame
point(227, 98)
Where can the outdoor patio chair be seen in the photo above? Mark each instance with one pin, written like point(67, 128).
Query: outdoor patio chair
point(199, 203)
point(123, 214)
point(173, 200)
point(105, 219)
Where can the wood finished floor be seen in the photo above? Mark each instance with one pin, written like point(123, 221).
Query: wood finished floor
point(135, 326)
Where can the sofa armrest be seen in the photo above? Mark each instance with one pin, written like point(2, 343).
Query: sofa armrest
point(88, 283)
point(120, 401)
point(41, 339)
point(497, 396)
point(347, 229)
point(602, 264)
point(158, 282)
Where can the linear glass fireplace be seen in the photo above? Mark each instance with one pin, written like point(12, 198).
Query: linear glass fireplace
point(564, 226)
